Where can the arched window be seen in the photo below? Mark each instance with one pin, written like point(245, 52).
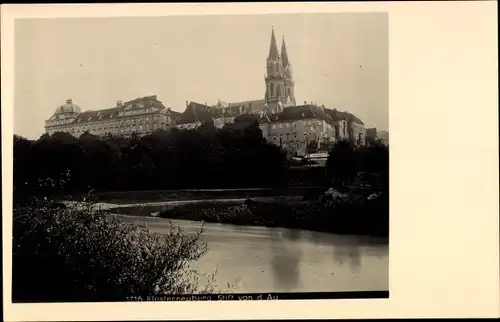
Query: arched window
point(272, 89)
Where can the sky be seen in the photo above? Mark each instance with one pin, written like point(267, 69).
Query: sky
point(339, 60)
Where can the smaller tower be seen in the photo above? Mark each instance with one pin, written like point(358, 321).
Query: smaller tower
point(288, 77)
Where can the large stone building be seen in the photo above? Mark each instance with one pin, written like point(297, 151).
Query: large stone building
point(142, 116)
point(281, 120)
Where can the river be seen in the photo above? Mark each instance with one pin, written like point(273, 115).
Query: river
point(261, 259)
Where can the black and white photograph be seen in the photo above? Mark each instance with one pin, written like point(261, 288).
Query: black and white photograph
point(206, 157)
point(236, 156)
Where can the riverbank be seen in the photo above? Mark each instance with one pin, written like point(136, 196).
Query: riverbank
point(351, 214)
point(354, 212)
point(159, 196)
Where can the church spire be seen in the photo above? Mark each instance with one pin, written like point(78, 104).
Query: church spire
point(273, 50)
point(284, 55)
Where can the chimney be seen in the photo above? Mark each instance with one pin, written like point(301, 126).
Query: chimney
point(119, 103)
point(305, 102)
point(69, 101)
point(187, 103)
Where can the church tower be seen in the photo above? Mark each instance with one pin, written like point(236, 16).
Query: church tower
point(279, 82)
point(289, 84)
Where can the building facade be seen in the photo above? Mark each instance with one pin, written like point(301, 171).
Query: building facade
point(281, 120)
point(141, 115)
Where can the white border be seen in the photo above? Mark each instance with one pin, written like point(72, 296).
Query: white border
point(444, 259)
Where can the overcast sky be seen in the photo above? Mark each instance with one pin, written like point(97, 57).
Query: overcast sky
point(339, 60)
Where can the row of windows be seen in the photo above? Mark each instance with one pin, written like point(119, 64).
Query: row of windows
point(141, 126)
point(128, 122)
point(100, 117)
point(294, 124)
point(134, 112)
point(294, 135)
point(115, 129)
point(59, 122)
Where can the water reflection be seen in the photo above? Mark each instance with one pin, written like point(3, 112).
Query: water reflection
point(351, 255)
point(285, 259)
point(261, 259)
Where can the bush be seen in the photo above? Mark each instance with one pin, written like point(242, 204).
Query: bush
point(81, 254)
point(352, 214)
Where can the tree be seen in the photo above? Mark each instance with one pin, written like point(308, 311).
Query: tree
point(340, 164)
point(171, 159)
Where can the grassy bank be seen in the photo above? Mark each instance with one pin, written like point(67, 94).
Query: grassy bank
point(353, 214)
point(122, 197)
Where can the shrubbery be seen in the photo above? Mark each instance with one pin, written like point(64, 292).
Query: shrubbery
point(354, 214)
point(82, 254)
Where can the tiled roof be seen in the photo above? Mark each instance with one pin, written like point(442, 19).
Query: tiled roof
point(91, 116)
point(176, 115)
point(246, 107)
point(112, 113)
point(337, 115)
point(196, 112)
point(294, 113)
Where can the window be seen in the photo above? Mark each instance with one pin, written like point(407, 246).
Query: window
point(272, 89)
point(140, 127)
point(280, 125)
point(274, 126)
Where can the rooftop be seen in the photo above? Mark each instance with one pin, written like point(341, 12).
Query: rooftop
point(196, 112)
